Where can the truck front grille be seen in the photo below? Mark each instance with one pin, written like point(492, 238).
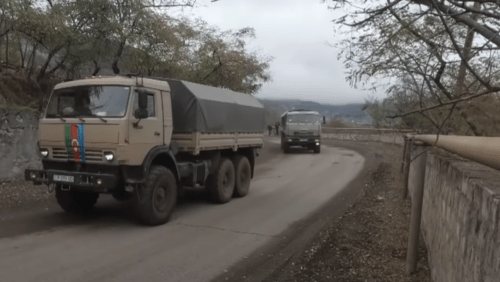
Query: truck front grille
point(90, 154)
point(303, 133)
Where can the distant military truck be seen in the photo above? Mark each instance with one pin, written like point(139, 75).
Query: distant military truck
point(144, 139)
point(301, 128)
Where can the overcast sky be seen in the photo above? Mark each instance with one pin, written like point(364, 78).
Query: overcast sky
point(295, 33)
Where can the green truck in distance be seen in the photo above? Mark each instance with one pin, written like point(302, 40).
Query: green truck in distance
point(301, 128)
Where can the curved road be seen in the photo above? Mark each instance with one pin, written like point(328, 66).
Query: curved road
point(201, 241)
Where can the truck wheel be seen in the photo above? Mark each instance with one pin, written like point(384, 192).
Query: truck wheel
point(243, 176)
point(317, 149)
point(75, 201)
point(286, 148)
point(220, 184)
point(156, 200)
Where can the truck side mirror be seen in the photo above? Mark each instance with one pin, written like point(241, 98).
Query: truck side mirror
point(324, 120)
point(142, 112)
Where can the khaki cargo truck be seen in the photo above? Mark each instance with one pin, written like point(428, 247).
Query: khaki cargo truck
point(301, 128)
point(144, 139)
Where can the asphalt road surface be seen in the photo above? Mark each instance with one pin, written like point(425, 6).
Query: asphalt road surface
point(201, 241)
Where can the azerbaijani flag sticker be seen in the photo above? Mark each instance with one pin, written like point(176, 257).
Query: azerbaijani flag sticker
point(73, 136)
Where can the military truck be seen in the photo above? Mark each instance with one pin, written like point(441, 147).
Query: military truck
point(145, 139)
point(301, 128)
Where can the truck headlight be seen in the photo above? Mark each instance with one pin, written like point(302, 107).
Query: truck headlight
point(44, 152)
point(316, 140)
point(289, 140)
point(109, 156)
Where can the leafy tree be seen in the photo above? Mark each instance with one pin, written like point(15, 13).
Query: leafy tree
point(65, 39)
point(440, 53)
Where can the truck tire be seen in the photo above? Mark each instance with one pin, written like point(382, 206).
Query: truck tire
point(76, 201)
point(243, 172)
point(156, 200)
point(220, 184)
point(317, 149)
point(286, 148)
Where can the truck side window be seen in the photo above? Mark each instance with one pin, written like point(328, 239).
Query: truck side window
point(151, 103)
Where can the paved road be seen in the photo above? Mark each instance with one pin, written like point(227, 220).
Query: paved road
point(201, 241)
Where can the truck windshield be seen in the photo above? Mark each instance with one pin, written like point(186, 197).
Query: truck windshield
point(303, 118)
point(89, 101)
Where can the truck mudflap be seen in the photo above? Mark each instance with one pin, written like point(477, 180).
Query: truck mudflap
point(82, 181)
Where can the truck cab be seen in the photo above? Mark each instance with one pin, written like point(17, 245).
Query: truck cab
point(301, 128)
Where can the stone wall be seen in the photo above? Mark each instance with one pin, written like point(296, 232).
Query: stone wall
point(460, 220)
point(385, 137)
point(18, 136)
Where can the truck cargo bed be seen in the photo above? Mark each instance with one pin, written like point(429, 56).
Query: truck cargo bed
point(195, 142)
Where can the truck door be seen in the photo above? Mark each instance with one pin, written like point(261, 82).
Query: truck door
point(147, 132)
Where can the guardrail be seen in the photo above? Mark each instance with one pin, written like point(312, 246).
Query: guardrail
point(364, 129)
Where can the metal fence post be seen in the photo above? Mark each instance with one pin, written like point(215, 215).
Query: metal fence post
point(407, 159)
point(404, 154)
point(416, 208)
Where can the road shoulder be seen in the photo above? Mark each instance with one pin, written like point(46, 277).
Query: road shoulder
point(346, 239)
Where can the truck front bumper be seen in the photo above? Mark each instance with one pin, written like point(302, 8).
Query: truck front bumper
point(303, 141)
point(75, 180)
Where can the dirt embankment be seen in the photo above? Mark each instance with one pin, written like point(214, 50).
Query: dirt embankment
point(16, 90)
point(368, 243)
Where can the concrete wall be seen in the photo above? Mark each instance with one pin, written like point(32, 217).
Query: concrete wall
point(18, 135)
point(386, 137)
point(460, 220)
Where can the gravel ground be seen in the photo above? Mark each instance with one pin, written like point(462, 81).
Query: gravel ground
point(369, 242)
point(20, 194)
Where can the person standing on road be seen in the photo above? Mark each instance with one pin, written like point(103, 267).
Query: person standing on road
point(270, 128)
point(277, 125)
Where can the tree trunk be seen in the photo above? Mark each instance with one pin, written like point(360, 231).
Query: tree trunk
point(7, 50)
point(60, 64)
point(97, 68)
point(31, 60)
point(119, 53)
point(462, 72)
point(52, 53)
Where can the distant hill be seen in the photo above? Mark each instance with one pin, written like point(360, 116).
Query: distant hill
point(349, 113)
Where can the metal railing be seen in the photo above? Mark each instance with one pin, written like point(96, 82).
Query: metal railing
point(364, 129)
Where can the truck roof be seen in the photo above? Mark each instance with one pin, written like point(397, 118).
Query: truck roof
point(300, 112)
point(195, 107)
point(117, 80)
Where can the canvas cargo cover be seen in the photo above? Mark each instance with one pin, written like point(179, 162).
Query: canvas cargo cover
point(201, 108)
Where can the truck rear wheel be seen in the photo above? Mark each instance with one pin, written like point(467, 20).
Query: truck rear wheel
point(243, 176)
point(75, 201)
point(220, 184)
point(156, 200)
